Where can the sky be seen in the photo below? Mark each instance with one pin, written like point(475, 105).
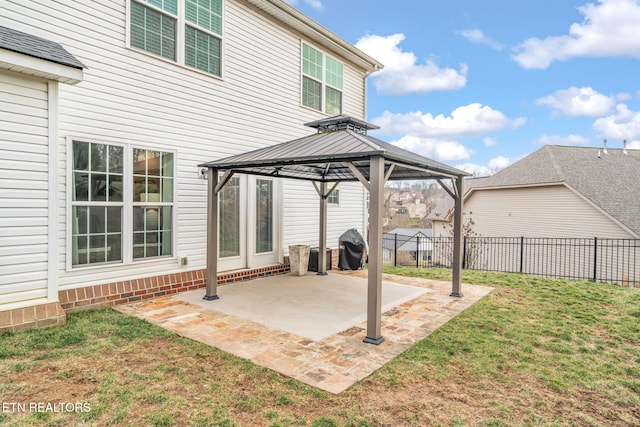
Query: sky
point(481, 84)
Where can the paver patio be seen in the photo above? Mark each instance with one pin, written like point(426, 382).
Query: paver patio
point(331, 360)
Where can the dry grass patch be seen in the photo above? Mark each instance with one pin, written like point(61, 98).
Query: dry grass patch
point(534, 352)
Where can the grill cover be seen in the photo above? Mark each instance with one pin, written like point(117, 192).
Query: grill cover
point(351, 255)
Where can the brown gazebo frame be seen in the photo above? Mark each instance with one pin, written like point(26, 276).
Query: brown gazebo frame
point(340, 151)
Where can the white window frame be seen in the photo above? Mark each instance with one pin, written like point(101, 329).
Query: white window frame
point(323, 83)
point(127, 205)
point(181, 23)
point(336, 193)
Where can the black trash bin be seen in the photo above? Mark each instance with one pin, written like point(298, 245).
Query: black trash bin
point(351, 255)
point(313, 259)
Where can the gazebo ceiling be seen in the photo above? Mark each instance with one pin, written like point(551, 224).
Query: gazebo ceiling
point(331, 155)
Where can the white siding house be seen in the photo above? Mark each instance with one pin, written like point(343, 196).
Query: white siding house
point(102, 198)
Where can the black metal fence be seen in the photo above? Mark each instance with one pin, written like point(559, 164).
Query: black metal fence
point(597, 259)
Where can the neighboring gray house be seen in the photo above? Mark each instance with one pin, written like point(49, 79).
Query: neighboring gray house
point(412, 245)
point(559, 192)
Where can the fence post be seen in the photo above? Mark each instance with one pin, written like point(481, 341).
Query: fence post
point(595, 259)
point(417, 251)
point(395, 250)
point(464, 252)
point(521, 253)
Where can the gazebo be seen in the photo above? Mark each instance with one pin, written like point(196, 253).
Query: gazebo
point(339, 151)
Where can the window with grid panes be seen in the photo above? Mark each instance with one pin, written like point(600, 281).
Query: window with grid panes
point(334, 197)
point(321, 81)
point(198, 43)
point(98, 206)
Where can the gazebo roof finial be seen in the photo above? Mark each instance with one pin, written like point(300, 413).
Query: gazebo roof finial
point(341, 122)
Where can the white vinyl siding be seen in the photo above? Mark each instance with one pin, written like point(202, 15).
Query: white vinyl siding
point(198, 117)
point(23, 188)
point(302, 226)
point(546, 211)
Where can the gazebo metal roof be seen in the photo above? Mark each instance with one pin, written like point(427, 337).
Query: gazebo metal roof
point(341, 150)
point(325, 156)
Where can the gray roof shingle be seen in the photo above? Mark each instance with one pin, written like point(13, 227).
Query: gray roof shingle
point(37, 47)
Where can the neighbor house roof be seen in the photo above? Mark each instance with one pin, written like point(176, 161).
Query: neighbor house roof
point(609, 181)
point(29, 54)
point(405, 239)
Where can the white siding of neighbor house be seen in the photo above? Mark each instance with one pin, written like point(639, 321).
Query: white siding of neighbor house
point(23, 187)
point(130, 97)
point(544, 211)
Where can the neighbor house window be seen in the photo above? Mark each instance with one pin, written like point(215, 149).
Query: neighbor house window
point(187, 32)
point(99, 181)
point(321, 81)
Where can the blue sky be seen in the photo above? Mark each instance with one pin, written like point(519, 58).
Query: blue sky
point(479, 85)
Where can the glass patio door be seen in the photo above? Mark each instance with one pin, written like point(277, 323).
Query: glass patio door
point(248, 223)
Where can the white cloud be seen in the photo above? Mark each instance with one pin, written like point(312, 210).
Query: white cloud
point(494, 165)
point(625, 124)
point(478, 37)
point(402, 74)
point(489, 142)
point(610, 29)
point(575, 101)
point(443, 151)
point(316, 4)
point(562, 140)
point(469, 120)
point(633, 145)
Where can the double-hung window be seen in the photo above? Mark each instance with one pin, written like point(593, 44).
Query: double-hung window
point(188, 32)
point(109, 184)
point(334, 197)
point(321, 81)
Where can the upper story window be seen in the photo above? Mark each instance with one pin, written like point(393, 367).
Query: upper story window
point(156, 27)
point(321, 81)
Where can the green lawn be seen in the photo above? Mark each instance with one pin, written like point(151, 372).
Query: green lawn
point(534, 352)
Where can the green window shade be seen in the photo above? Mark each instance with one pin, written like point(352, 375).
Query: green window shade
point(311, 93)
point(170, 6)
point(202, 51)
point(205, 13)
point(152, 31)
point(333, 73)
point(334, 102)
point(311, 62)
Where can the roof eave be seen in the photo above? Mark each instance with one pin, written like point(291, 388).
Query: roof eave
point(37, 67)
point(289, 15)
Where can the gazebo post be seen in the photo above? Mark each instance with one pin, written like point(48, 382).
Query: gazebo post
point(322, 238)
point(212, 235)
point(456, 284)
point(374, 292)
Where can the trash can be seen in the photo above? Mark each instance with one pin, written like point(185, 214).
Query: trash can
point(299, 259)
point(351, 255)
point(313, 259)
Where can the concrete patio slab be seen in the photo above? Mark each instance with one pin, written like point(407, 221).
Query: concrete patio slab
point(310, 306)
point(334, 356)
